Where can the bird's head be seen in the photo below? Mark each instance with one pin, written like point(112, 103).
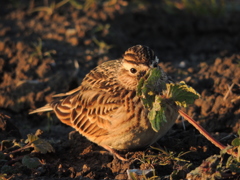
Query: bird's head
point(137, 60)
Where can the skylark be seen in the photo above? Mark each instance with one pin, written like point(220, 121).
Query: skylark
point(105, 107)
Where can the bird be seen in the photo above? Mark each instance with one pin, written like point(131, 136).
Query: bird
point(106, 109)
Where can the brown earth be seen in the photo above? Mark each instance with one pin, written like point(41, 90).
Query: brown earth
point(43, 54)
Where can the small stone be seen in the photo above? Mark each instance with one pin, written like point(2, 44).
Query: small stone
point(87, 42)
point(19, 46)
point(73, 41)
point(218, 61)
point(191, 70)
point(71, 32)
point(182, 64)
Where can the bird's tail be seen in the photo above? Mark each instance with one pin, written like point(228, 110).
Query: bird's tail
point(47, 107)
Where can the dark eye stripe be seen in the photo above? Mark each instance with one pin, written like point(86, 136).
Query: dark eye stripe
point(132, 62)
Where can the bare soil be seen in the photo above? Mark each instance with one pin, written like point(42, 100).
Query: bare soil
point(43, 54)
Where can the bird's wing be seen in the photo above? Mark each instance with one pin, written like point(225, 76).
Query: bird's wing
point(89, 111)
point(89, 108)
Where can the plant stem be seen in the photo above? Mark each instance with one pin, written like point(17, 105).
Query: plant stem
point(20, 149)
point(205, 133)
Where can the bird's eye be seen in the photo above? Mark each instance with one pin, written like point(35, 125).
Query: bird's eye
point(133, 70)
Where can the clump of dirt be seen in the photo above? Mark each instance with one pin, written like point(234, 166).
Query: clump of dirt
point(219, 86)
point(43, 54)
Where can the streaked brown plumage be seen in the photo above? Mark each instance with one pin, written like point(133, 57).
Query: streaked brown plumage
point(105, 108)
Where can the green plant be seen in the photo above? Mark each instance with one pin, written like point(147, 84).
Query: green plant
point(157, 95)
point(23, 151)
point(219, 166)
point(39, 51)
point(233, 162)
point(199, 8)
point(163, 158)
point(103, 46)
point(53, 6)
point(82, 5)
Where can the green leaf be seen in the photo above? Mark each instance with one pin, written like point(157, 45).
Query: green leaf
point(158, 120)
point(31, 163)
point(19, 144)
point(42, 146)
point(181, 94)
point(140, 86)
point(31, 138)
point(150, 85)
point(236, 142)
point(157, 93)
point(155, 81)
point(76, 4)
point(157, 114)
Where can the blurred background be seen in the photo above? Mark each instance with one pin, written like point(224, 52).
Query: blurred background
point(47, 47)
